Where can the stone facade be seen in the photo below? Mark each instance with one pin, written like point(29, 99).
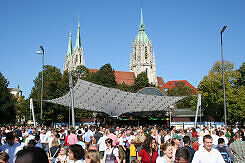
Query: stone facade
point(143, 58)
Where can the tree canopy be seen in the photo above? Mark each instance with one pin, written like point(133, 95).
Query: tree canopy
point(7, 102)
point(211, 89)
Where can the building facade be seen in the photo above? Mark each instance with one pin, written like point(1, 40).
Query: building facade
point(143, 58)
point(74, 56)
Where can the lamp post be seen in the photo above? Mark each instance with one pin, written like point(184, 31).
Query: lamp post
point(223, 29)
point(39, 52)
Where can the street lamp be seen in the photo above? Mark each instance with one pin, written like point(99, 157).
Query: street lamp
point(223, 29)
point(39, 52)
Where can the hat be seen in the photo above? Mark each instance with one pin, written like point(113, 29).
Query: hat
point(176, 136)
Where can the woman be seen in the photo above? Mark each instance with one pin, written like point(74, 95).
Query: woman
point(4, 157)
point(92, 156)
point(149, 152)
point(54, 150)
point(111, 153)
point(76, 153)
point(62, 157)
point(167, 150)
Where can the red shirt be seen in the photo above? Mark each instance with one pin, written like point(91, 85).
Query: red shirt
point(146, 158)
point(194, 134)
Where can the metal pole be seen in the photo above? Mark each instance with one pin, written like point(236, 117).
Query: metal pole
point(72, 102)
point(41, 114)
point(170, 119)
point(223, 72)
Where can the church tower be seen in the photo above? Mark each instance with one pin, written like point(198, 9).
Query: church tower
point(143, 58)
point(74, 56)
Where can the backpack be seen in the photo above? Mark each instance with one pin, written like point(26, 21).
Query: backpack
point(224, 154)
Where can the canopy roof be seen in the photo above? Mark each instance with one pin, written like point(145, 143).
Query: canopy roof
point(113, 101)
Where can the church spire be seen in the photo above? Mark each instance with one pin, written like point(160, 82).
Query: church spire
point(69, 50)
point(142, 25)
point(78, 38)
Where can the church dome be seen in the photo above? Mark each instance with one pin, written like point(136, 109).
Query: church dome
point(142, 37)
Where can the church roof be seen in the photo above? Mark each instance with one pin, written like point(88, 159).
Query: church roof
point(160, 81)
point(121, 76)
point(171, 84)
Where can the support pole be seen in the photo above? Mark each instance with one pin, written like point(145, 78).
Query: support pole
point(72, 101)
point(197, 109)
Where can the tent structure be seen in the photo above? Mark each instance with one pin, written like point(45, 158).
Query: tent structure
point(113, 102)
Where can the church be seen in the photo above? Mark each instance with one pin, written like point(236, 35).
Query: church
point(142, 58)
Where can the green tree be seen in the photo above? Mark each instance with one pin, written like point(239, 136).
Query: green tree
point(22, 108)
point(241, 81)
point(7, 102)
point(141, 81)
point(211, 89)
point(105, 76)
point(54, 87)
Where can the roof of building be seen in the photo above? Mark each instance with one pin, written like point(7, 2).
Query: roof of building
point(171, 84)
point(113, 101)
point(121, 76)
point(160, 81)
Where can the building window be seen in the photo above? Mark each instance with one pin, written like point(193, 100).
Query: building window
point(80, 59)
point(76, 59)
point(169, 84)
point(146, 55)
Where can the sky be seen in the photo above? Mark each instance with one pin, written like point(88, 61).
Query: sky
point(185, 35)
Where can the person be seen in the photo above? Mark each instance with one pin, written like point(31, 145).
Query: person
point(62, 157)
point(76, 153)
point(101, 145)
point(10, 147)
point(186, 141)
point(92, 156)
point(80, 140)
point(167, 150)
point(207, 154)
point(195, 144)
point(31, 155)
point(44, 139)
point(132, 149)
point(224, 150)
point(182, 155)
point(54, 150)
point(113, 137)
point(148, 152)
point(176, 141)
point(4, 157)
point(238, 149)
point(87, 137)
point(72, 139)
point(111, 153)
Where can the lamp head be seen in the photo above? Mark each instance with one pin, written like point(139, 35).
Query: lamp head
point(42, 48)
point(38, 52)
point(223, 29)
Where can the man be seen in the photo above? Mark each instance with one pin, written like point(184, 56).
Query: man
point(44, 139)
point(186, 141)
point(215, 138)
point(10, 147)
point(113, 137)
point(224, 151)
point(101, 145)
point(238, 149)
point(32, 155)
point(176, 143)
point(72, 138)
point(182, 155)
point(87, 137)
point(207, 154)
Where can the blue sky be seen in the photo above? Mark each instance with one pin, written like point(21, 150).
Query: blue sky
point(185, 35)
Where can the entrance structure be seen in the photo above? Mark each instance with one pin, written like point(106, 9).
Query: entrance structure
point(114, 102)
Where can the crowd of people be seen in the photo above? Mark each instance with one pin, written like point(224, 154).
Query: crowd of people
point(121, 144)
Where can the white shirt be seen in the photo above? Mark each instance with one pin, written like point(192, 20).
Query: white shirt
point(215, 139)
point(203, 156)
point(101, 143)
point(43, 138)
